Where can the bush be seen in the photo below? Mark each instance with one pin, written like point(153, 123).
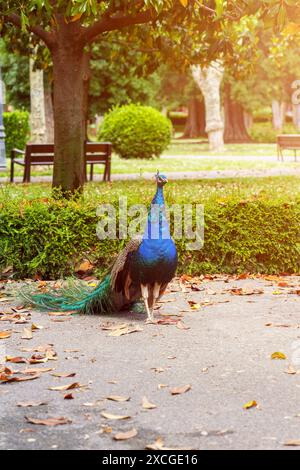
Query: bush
point(136, 131)
point(264, 133)
point(48, 237)
point(16, 125)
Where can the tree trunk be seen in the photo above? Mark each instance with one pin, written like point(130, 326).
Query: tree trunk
point(195, 125)
point(279, 110)
point(69, 67)
point(209, 81)
point(248, 120)
point(37, 105)
point(296, 116)
point(48, 110)
point(235, 129)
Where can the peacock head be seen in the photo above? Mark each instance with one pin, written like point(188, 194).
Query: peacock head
point(161, 179)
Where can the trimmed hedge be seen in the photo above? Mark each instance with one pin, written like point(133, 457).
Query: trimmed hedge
point(16, 125)
point(48, 237)
point(136, 131)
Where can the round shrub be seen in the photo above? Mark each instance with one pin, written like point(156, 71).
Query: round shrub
point(16, 126)
point(136, 131)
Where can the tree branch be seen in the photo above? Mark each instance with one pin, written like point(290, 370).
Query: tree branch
point(117, 22)
point(38, 30)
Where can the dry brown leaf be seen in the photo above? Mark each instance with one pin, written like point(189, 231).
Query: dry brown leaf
point(114, 417)
point(182, 326)
point(147, 405)
point(38, 370)
point(69, 396)
point(124, 436)
point(62, 388)
point(125, 331)
point(48, 421)
point(180, 390)
point(16, 360)
point(290, 370)
point(293, 443)
point(59, 314)
point(9, 379)
point(27, 334)
point(63, 375)
point(160, 386)
point(31, 404)
point(278, 355)
point(5, 334)
point(117, 398)
point(250, 404)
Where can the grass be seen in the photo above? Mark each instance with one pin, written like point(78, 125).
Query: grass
point(184, 158)
point(279, 188)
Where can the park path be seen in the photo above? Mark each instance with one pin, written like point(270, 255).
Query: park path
point(214, 341)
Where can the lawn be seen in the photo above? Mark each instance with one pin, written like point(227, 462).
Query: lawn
point(280, 188)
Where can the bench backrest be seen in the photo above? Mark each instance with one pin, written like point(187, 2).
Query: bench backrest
point(44, 153)
point(289, 140)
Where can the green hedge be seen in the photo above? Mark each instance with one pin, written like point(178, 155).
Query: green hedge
point(263, 132)
point(136, 131)
point(48, 238)
point(16, 125)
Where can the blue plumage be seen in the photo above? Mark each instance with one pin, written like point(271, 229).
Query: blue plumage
point(143, 269)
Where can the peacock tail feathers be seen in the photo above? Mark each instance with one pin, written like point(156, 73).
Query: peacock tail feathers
point(75, 296)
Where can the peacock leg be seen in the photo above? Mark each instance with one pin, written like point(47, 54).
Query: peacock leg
point(155, 294)
point(145, 295)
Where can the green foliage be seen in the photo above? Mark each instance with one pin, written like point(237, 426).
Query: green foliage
point(16, 125)
point(15, 74)
point(136, 131)
point(263, 132)
point(250, 225)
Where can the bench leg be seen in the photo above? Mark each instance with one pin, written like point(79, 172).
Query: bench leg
point(26, 177)
point(12, 170)
point(92, 172)
point(108, 170)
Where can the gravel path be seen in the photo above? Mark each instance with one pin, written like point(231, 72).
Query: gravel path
point(218, 338)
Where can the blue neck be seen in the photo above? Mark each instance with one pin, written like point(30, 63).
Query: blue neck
point(157, 226)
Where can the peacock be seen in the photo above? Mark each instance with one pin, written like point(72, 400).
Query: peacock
point(141, 271)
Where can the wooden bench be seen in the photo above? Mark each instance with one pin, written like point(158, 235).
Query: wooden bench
point(43, 154)
point(287, 142)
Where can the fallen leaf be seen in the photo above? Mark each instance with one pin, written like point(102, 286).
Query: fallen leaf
point(117, 398)
point(38, 370)
point(147, 405)
point(114, 417)
point(5, 334)
point(180, 390)
point(27, 334)
point(48, 421)
point(62, 388)
point(9, 379)
point(278, 355)
point(31, 404)
point(16, 360)
point(290, 370)
point(194, 305)
point(182, 326)
point(251, 404)
point(63, 375)
point(293, 443)
point(69, 396)
point(124, 436)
